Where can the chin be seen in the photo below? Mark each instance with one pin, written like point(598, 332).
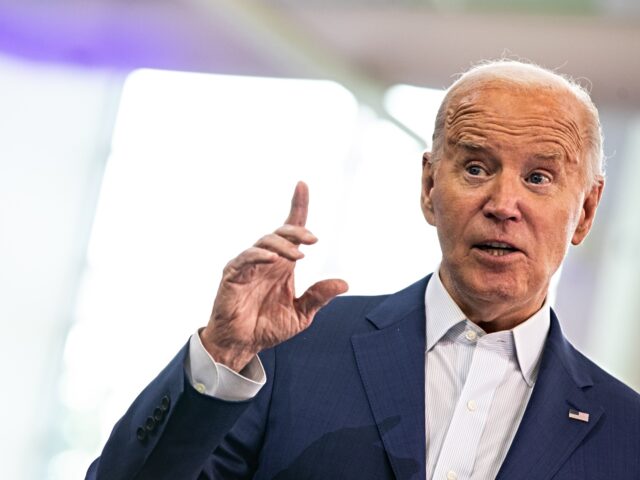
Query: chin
point(494, 287)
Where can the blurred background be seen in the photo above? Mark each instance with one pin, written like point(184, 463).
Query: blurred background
point(143, 144)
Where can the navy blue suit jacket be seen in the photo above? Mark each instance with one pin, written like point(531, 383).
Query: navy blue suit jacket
point(345, 400)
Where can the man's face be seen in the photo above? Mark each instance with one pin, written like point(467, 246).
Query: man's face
point(508, 193)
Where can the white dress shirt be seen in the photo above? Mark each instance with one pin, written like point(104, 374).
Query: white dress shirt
point(477, 387)
point(476, 390)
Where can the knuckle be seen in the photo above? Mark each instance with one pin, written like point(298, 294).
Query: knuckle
point(229, 266)
point(265, 240)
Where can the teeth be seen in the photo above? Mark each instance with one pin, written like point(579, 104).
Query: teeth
point(498, 252)
point(498, 245)
point(497, 249)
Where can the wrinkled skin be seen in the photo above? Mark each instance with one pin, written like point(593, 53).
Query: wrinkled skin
point(256, 307)
point(511, 170)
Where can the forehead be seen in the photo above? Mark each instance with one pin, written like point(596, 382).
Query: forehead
point(547, 120)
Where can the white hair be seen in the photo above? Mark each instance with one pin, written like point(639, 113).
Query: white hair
point(527, 75)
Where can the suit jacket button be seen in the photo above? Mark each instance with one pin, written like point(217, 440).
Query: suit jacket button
point(150, 424)
point(165, 403)
point(158, 414)
point(141, 434)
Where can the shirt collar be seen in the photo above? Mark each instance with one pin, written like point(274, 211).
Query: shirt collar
point(442, 312)
point(529, 337)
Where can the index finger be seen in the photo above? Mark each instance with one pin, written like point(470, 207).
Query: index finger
point(299, 205)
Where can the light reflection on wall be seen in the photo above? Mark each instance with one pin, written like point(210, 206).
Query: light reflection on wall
point(55, 125)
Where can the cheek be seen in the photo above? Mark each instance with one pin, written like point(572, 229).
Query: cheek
point(571, 220)
point(450, 218)
point(443, 197)
point(440, 212)
point(454, 208)
point(555, 242)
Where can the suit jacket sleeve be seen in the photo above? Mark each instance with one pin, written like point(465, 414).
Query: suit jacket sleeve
point(171, 431)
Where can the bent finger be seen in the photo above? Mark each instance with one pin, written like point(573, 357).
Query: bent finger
point(281, 246)
point(296, 234)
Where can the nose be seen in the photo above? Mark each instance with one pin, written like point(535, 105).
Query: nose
point(503, 200)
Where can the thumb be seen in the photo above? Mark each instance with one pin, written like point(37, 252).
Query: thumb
point(319, 294)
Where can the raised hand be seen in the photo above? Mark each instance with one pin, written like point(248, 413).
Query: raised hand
point(256, 307)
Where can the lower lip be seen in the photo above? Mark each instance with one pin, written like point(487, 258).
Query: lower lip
point(488, 257)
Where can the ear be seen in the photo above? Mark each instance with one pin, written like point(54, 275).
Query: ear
point(428, 170)
point(588, 213)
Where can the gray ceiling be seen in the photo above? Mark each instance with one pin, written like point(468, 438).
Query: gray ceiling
point(365, 45)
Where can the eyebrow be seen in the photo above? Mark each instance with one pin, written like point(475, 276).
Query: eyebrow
point(469, 145)
point(548, 155)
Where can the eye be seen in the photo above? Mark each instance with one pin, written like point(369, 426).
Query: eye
point(475, 170)
point(538, 178)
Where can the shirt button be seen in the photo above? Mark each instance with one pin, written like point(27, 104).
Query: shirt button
point(472, 406)
point(200, 388)
point(471, 335)
point(451, 475)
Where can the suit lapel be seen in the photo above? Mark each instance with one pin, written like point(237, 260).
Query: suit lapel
point(547, 436)
point(391, 364)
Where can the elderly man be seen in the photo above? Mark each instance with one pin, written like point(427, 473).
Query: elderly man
point(463, 375)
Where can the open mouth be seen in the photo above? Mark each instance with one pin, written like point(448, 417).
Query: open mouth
point(496, 249)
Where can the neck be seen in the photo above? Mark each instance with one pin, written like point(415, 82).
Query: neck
point(495, 314)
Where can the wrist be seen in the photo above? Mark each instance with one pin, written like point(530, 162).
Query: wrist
point(232, 355)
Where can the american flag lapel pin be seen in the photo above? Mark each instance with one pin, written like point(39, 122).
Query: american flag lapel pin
point(576, 415)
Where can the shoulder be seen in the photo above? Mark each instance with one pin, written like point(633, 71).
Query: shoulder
point(330, 334)
point(620, 402)
point(596, 382)
point(357, 305)
point(344, 316)
point(609, 390)
point(359, 314)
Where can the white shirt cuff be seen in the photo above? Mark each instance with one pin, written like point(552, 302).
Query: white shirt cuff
point(217, 380)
